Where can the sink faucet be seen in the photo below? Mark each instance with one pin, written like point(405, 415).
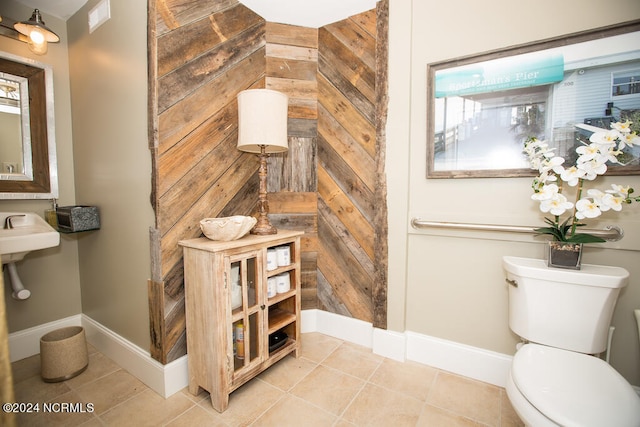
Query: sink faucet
point(8, 224)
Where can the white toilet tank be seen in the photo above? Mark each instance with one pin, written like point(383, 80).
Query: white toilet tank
point(569, 309)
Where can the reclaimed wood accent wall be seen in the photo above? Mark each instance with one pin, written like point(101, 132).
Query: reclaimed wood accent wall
point(202, 53)
point(347, 168)
point(292, 65)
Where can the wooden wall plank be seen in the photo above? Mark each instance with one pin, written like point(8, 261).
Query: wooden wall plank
point(182, 118)
point(351, 283)
point(186, 43)
point(292, 35)
point(172, 14)
point(346, 64)
point(205, 172)
point(381, 244)
point(347, 148)
point(349, 118)
point(343, 208)
point(179, 159)
point(287, 68)
point(356, 39)
point(359, 194)
point(173, 87)
point(292, 52)
point(368, 22)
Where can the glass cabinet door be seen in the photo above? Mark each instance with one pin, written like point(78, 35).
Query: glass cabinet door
point(245, 295)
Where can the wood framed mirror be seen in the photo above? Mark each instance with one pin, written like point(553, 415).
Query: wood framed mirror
point(481, 108)
point(28, 166)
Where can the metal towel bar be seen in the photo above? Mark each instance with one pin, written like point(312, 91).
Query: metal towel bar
point(610, 233)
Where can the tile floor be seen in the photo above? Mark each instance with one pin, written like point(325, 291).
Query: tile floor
point(333, 383)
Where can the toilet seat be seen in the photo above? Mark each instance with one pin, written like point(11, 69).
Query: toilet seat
point(574, 389)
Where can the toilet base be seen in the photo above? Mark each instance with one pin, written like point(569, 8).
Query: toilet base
point(529, 415)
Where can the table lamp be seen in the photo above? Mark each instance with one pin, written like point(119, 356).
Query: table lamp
point(262, 129)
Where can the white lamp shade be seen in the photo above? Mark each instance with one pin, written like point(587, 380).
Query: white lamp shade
point(262, 120)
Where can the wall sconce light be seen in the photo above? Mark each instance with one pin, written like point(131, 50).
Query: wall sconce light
point(262, 129)
point(37, 33)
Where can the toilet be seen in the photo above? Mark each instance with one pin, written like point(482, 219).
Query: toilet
point(563, 317)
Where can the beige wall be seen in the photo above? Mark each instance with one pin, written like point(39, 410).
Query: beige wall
point(52, 274)
point(455, 286)
point(108, 71)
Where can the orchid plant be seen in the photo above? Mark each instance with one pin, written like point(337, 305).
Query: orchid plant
point(605, 147)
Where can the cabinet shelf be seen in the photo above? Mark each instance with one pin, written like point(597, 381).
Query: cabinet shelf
point(281, 270)
point(278, 319)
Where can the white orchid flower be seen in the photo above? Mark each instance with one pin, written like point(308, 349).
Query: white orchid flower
point(629, 140)
point(587, 208)
point(557, 205)
point(593, 168)
point(570, 175)
point(598, 198)
point(606, 138)
point(619, 190)
point(610, 201)
point(547, 192)
point(622, 127)
point(550, 164)
point(587, 152)
point(611, 155)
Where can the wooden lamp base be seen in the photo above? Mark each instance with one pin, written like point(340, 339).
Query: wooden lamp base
point(263, 227)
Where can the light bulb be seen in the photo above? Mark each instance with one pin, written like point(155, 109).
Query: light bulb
point(36, 36)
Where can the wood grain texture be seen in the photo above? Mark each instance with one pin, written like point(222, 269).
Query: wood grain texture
point(330, 184)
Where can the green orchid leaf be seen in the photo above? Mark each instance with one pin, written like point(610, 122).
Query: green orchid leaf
point(585, 238)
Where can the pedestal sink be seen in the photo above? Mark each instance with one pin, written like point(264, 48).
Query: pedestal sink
point(21, 233)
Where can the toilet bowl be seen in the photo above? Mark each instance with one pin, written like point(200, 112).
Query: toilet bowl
point(563, 317)
point(553, 387)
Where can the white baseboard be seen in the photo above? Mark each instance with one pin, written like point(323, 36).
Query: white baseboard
point(163, 379)
point(168, 379)
point(473, 362)
point(26, 343)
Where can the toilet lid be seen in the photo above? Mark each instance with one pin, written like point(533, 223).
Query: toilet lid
point(574, 389)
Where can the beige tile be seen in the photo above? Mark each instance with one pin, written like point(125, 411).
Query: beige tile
point(247, 403)
point(328, 389)
point(288, 372)
point(147, 409)
point(197, 416)
point(508, 416)
point(376, 406)
point(110, 390)
point(25, 368)
point(410, 378)
point(99, 366)
point(469, 398)
point(295, 412)
point(333, 383)
point(317, 347)
point(64, 410)
point(202, 395)
point(354, 360)
point(34, 389)
point(437, 417)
